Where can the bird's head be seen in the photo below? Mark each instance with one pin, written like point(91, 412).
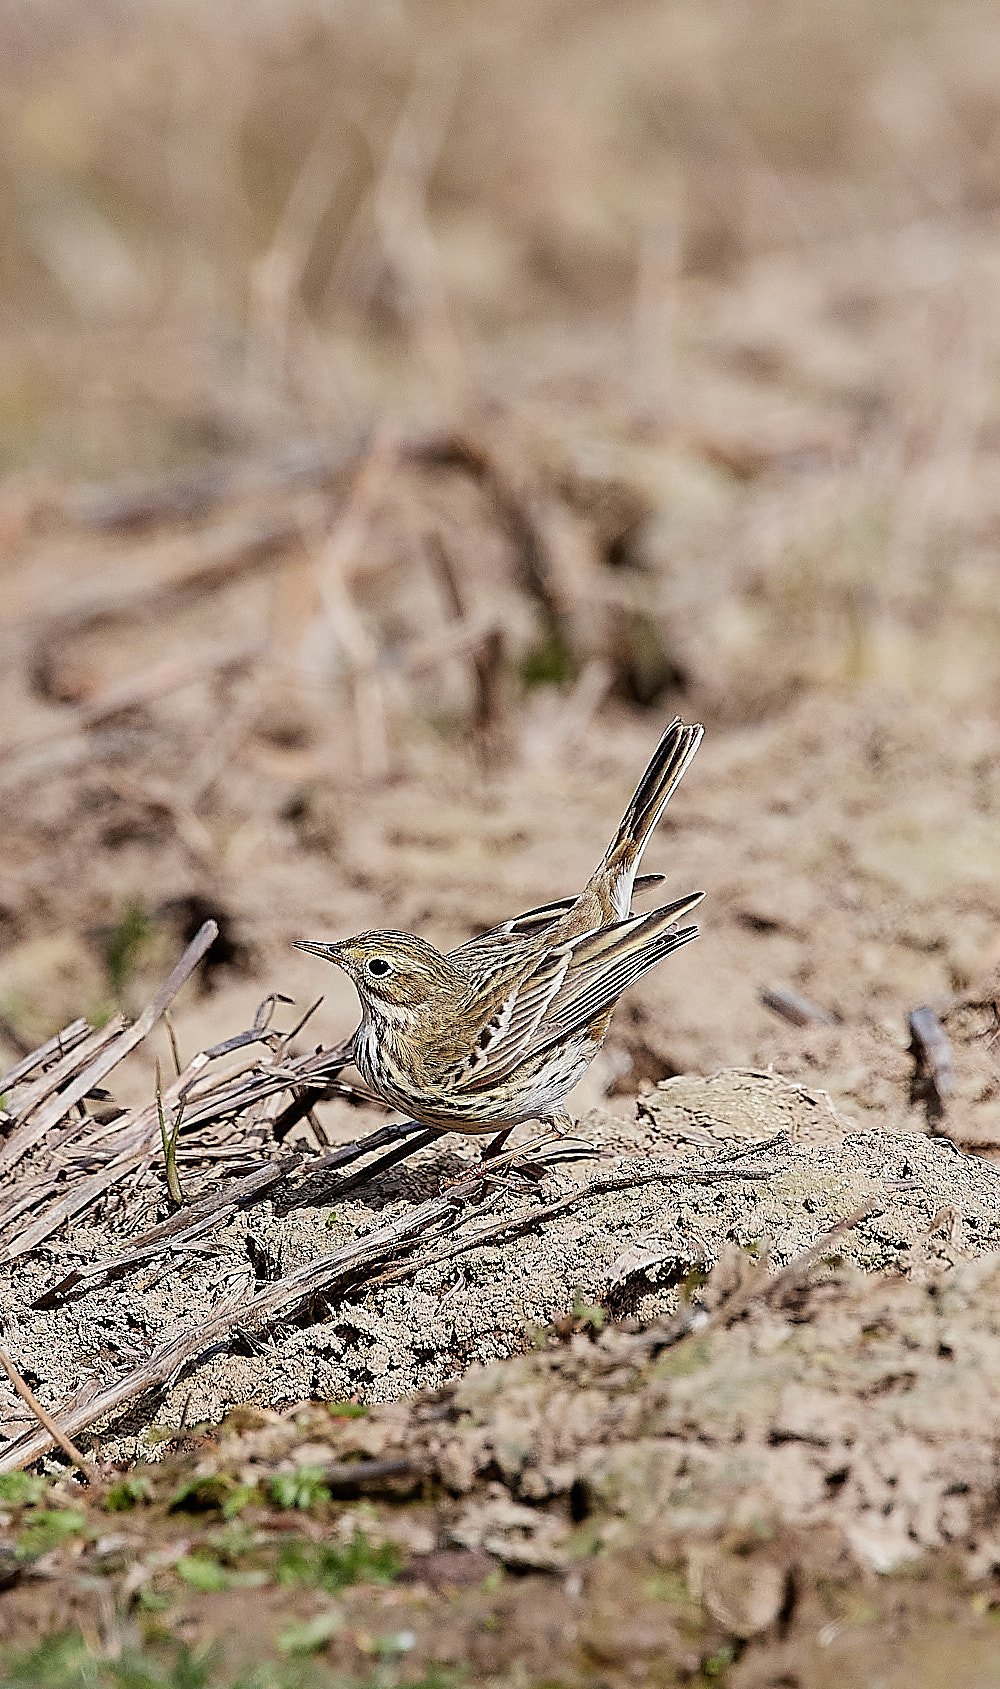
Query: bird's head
point(390, 970)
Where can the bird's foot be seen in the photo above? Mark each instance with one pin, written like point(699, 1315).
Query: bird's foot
point(493, 1162)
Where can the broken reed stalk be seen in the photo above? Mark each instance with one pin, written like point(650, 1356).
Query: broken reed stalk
point(123, 1147)
point(934, 1076)
point(156, 682)
point(30, 1132)
point(121, 506)
point(133, 1132)
point(46, 1421)
point(792, 1006)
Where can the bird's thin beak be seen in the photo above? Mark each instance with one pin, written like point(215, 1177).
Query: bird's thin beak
point(329, 952)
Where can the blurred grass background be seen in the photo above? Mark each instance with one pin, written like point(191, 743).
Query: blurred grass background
point(743, 255)
point(224, 222)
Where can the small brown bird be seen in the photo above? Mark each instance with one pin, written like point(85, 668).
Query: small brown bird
point(499, 1030)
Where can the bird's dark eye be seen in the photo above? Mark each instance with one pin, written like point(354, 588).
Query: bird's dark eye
point(378, 965)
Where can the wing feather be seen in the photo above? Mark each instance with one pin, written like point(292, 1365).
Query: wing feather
point(573, 983)
point(534, 922)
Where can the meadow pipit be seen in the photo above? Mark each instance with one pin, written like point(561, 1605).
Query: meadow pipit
point(499, 1030)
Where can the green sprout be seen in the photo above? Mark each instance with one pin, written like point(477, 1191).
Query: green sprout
point(169, 1143)
point(123, 946)
point(303, 1488)
point(127, 1493)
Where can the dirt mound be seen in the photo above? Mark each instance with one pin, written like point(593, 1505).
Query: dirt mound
point(623, 1220)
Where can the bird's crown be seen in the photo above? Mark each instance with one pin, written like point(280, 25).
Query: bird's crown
point(394, 968)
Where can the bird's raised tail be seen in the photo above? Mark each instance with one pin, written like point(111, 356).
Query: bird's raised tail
point(666, 767)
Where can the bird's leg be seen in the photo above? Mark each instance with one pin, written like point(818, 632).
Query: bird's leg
point(497, 1144)
point(559, 1126)
point(497, 1166)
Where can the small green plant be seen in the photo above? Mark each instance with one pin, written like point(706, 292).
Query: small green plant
point(588, 1313)
point(237, 1499)
point(314, 1633)
point(714, 1667)
point(694, 1279)
point(127, 1493)
point(347, 1410)
point(169, 1143)
point(690, 1355)
point(548, 663)
point(202, 1571)
point(392, 1644)
point(216, 1492)
point(66, 1662)
point(47, 1528)
point(151, 1600)
point(303, 1488)
point(333, 1566)
point(123, 945)
point(60, 1662)
point(175, 1433)
point(22, 1489)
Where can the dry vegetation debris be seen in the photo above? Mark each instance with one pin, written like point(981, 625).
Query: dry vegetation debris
point(309, 1284)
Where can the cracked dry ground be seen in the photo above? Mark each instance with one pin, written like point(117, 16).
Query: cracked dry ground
point(794, 1494)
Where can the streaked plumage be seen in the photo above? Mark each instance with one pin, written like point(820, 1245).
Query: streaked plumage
point(499, 1030)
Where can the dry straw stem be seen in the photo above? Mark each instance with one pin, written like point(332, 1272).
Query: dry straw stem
point(792, 1006)
point(403, 225)
point(58, 1045)
point(934, 1073)
point(63, 1074)
point(48, 1424)
point(79, 1057)
point(342, 1267)
point(174, 1235)
point(276, 277)
point(112, 1049)
point(158, 572)
point(137, 503)
point(126, 1147)
point(139, 1132)
point(333, 566)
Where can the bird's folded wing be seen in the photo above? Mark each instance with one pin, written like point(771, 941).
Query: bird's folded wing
point(568, 987)
point(534, 922)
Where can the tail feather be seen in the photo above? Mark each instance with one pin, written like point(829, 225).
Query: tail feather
point(666, 768)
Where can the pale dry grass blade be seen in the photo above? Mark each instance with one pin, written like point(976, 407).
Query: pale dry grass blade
point(49, 1425)
point(32, 1131)
point(57, 1046)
